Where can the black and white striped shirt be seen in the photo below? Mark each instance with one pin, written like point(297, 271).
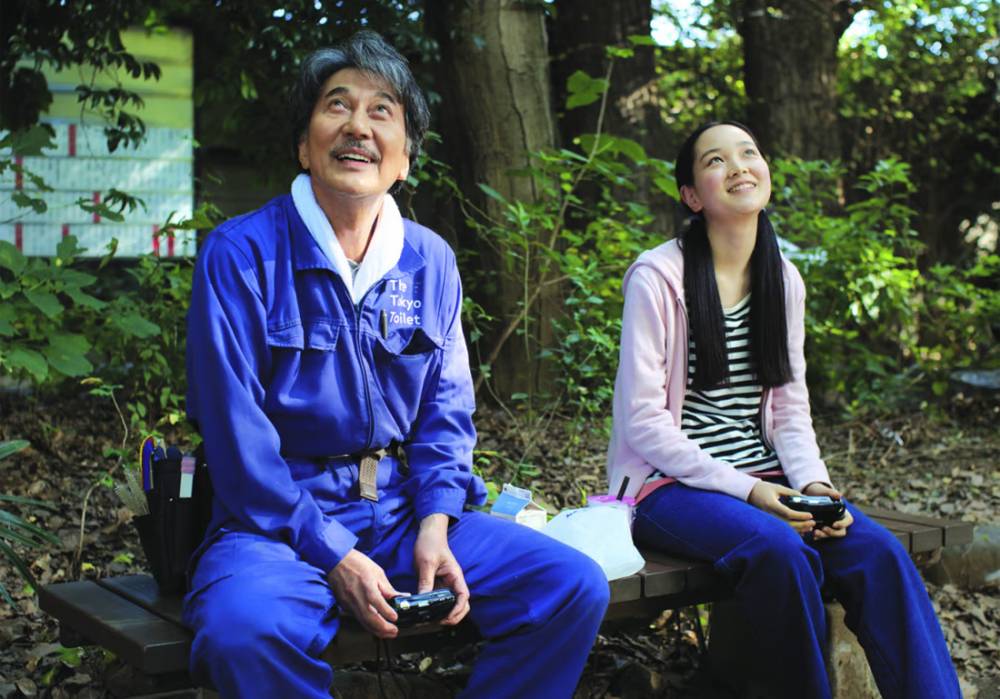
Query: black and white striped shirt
point(725, 421)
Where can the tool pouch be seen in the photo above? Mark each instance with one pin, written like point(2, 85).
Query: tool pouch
point(175, 525)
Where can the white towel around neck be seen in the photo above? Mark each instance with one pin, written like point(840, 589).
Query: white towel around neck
point(384, 248)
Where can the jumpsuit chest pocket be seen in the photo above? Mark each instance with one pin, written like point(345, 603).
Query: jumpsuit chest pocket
point(404, 360)
point(303, 357)
point(307, 335)
point(315, 386)
point(407, 343)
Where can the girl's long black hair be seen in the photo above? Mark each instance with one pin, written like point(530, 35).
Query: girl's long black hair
point(768, 329)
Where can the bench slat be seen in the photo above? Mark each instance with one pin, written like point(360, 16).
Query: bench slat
point(955, 533)
point(626, 589)
point(142, 639)
point(922, 537)
point(143, 591)
point(667, 575)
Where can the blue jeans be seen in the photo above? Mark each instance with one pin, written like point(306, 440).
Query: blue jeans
point(261, 615)
point(777, 576)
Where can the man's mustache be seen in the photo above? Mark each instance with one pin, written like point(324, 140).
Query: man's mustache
point(351, 147)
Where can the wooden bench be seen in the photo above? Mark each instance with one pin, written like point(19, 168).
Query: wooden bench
point(129, 617)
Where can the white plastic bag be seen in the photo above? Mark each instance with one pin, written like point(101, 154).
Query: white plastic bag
point(604, 533)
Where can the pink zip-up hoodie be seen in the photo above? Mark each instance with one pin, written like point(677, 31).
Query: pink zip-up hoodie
point(652, 380)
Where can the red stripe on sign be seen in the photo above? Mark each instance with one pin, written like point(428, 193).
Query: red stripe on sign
point(19, 236)
point(18, 174)
point(72, 140)
point(65, 230)
point(97, 200)
point(156, 240)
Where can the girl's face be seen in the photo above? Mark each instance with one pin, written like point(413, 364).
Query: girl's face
point(731, 177)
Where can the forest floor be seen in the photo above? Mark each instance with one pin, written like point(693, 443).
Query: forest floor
point(942, 465)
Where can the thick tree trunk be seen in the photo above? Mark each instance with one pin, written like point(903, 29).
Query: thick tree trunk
point(580, 31)
point(497, 109)
point(790, 65)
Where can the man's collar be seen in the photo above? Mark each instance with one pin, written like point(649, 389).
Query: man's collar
point(384, 249)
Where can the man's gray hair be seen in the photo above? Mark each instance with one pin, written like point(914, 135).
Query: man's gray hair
point(369, 53)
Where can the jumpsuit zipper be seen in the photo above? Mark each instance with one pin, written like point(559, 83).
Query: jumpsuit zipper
point(364, 371)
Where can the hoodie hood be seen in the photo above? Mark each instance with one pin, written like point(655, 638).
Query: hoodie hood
point(667, 260)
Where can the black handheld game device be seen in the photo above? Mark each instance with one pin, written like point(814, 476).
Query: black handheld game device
point(423, 608)
point(824, 509)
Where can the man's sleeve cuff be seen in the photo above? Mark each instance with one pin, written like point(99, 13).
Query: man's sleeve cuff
point(448, 501)
point(326, 551)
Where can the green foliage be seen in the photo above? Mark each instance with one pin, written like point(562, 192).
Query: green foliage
point(876, 328)
point(140, 341)
point(38, 295)
point(17, 531)
point(922, 85)
point(580, 244)
point(64, 34)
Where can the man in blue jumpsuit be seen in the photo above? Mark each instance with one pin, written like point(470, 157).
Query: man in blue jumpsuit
point(329, 378)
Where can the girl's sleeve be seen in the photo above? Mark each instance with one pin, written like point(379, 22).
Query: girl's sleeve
point(649, 428)
point(227, 358)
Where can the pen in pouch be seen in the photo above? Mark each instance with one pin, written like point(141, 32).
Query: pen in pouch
point(146, 452)
point(384, 325)
point(621, 490)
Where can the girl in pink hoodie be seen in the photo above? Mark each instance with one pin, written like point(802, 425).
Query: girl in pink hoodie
point(711, 427)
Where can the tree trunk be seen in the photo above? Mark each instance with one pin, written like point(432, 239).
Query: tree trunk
point(790, 64)
point(580, 31)
point(496, 111)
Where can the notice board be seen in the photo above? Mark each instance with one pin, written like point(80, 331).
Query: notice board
point(160, 171)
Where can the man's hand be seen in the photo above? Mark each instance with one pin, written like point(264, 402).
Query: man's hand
point(764, 496)
point(360, 586)
point(839, 528)
point(433, 559)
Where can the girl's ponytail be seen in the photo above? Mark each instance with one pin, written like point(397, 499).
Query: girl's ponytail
point(768, 325)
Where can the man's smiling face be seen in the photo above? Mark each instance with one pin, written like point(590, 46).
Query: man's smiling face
point(356, 142)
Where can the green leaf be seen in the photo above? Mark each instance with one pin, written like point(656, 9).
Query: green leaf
point(30, 141)
point(135, 325)
point(618, 52)
point(81, 298)
point(26, 201)
point(71, 657)
point(492, 193)
point(28, 360)
point(12, 447)
point(248, 90)
point(630, 148)
point(45, 302)
point(67, 354)
point(68, 248)
point(11, 258)
point(583, 90)
point(641, 40)
point(668, 186)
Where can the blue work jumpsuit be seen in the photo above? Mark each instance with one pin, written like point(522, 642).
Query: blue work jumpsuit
point(286, 377)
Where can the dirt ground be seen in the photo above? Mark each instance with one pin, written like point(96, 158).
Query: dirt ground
point(943, 464)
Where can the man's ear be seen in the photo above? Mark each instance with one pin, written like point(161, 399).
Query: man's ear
point(690, 197)
point(303, 155)
point(404, 171)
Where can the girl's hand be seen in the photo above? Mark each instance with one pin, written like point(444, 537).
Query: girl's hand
point(764, 496)
point(839, 528)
